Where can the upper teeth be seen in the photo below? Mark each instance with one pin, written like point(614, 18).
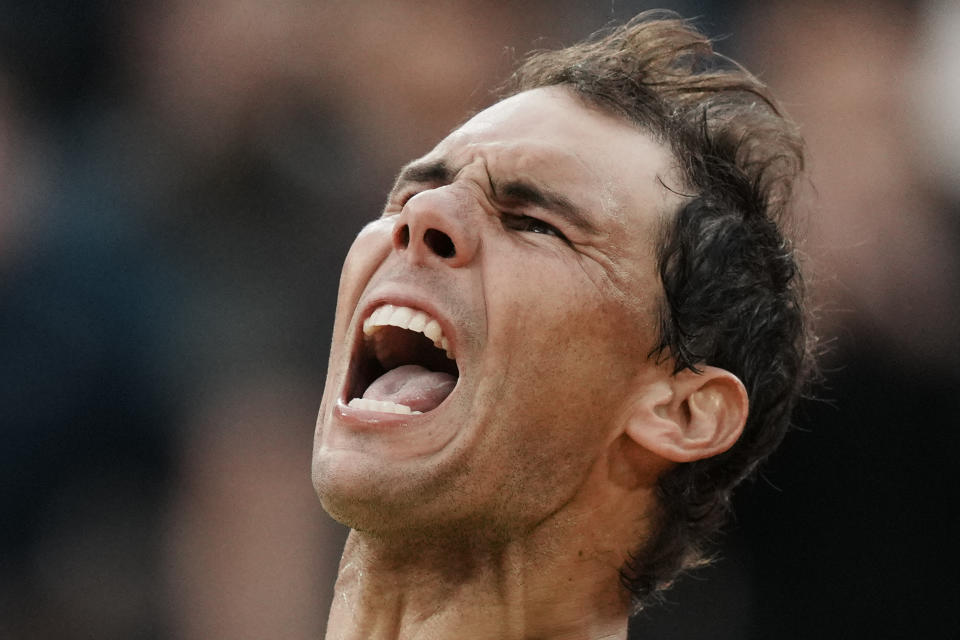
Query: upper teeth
point(407, 318)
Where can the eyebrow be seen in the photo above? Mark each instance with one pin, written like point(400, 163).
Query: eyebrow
point(525, 193)
point(516, 191)
point(436, 172)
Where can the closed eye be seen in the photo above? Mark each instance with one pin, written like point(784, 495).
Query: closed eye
point(402, 200)
point(532, 225)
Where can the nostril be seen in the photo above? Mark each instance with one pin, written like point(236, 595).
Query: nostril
point(440, 243)
point(403, 235)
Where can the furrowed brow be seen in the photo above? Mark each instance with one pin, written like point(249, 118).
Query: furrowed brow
point(436, 172)
point(525, 193)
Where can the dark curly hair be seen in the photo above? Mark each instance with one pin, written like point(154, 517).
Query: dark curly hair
point(732, 289)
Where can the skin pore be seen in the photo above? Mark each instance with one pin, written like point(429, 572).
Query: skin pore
point(508, 511)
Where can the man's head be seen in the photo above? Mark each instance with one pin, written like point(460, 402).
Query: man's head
point(601, 256)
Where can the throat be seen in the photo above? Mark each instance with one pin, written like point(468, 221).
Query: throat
point(410, 589)
point(401, 589)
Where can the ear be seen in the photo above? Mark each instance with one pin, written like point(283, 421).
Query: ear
point(689, 416)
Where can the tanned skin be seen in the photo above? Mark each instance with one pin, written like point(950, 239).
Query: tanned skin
point(507, 511)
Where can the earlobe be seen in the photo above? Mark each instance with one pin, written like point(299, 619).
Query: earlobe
point(689, 416)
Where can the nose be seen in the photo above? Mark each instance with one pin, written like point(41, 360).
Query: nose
point(437, 225)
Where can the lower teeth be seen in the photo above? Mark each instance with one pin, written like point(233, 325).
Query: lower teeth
point(383, 406)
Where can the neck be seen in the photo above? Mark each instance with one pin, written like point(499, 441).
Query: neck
point(506, 593)
point(560, 580)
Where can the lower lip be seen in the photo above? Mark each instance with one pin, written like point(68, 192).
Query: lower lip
point(366, 419)
point(388, 436)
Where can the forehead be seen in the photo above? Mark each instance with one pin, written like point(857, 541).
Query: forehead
point(548, 135)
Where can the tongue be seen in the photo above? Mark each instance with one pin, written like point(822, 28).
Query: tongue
point(412, 385)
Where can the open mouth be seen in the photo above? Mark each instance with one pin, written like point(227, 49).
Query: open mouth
point(403, 363)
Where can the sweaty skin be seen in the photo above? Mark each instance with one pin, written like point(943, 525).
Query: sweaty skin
point(508, 510)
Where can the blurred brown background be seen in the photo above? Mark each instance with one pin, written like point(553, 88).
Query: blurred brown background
point(179, 182)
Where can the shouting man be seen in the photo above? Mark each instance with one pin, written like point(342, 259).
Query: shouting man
point(575, 328)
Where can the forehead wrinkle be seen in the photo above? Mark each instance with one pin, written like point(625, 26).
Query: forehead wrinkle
point(526, 177)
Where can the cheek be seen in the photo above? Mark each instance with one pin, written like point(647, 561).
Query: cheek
point(567, 347)
point(369, 248)
point(366, 254)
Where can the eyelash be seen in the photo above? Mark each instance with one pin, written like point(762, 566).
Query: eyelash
point(532, 225)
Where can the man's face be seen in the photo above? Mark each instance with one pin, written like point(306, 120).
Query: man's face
point(528, 235)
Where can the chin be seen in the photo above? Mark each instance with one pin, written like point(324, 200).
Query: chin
point(365, 492)
point(353, 501)
point(443, 504)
